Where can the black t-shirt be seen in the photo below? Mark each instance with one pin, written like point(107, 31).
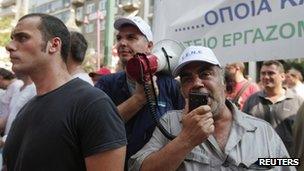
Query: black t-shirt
point(57, 130)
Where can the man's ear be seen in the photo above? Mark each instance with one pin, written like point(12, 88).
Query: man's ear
point(283, 76)
point(150, 45)
point(55, 45)
point(237, 68)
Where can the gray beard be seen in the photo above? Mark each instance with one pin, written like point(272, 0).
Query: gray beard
point(216, 107)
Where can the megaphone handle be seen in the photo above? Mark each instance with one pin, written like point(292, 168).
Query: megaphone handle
point(152, 103)
point(167, 58)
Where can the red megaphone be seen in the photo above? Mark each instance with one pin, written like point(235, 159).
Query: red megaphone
point(141, 66)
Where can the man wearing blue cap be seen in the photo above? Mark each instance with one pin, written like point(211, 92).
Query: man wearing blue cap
point(216, 136)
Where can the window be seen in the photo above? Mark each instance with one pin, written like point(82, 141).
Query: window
point(89, 28)
point(57, 5)
point(79, 13)
point(104, 13)
point(91, 8)
point(66, 3)
point(52, 6)
point(102, 5)
point(127, 2)
point(64, 16)
point(151, 6)
point(102, 24)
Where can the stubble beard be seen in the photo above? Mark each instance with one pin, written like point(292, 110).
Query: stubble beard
point(218, 101)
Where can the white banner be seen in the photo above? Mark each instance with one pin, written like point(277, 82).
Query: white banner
point(237, 30)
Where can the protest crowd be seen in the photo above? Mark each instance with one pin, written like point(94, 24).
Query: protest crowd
point(55, 116)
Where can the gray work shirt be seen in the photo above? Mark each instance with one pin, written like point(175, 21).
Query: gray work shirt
point(299, 137)
point(259, 106)
point(280, 114)
point(250, 138)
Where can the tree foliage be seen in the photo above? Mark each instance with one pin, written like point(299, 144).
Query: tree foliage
point(5, 26)
point(4, 38)
point(5, 22)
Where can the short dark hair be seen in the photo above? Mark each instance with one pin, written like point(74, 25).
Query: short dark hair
point(6, 74)
point(230, 82)
point(276, 63)
point(79, 46)
point(51, 27)
point(296, 74)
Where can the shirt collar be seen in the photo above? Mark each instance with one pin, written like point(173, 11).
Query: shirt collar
point(289, 94)
point(240, 126)
point(239, 117)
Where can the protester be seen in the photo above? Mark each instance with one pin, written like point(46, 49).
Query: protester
point(69, 125)
point(294, 81)
point(275, 104)
point(95, 76)
point(2, 92)
point(19, 99)
point(243, 87)
point(11, 85)
point(216, 136)
point(76, 56)
point(135, 36)
point(119, 66)
point(230, 83)
point(8, 82)
point(298, 136)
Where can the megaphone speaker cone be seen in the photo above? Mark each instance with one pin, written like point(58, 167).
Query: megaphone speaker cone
point(168, 53)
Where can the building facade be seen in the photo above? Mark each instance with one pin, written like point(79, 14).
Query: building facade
point(81, 15)
point(86, 19)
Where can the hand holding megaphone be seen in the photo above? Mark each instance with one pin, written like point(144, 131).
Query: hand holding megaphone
point(139, 90)
point(164, 57)
point(141, 67)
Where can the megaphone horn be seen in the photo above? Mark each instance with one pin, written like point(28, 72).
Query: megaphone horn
point(168, 52)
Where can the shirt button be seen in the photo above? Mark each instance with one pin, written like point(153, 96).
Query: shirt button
point(225, 164)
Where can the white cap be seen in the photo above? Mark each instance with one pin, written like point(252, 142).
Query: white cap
point(195, 54)
point(138, 22)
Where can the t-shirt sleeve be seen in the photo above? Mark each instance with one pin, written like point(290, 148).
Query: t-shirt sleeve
point(256, 88)
point(157, 141)
point(101, 128)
